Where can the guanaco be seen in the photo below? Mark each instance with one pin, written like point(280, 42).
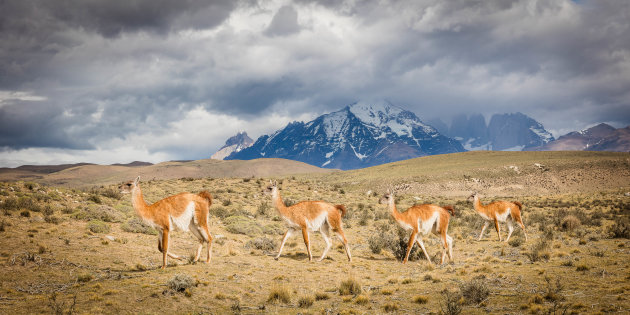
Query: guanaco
point(499, 211)
point(310, 216)
point(423, 218)
point(184, 211)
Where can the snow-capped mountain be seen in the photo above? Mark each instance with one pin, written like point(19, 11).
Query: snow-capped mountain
point(234, 144)
point(602, 137)
point(359, 135)
point(516, 132)
point(471, 131)
point(505, 132)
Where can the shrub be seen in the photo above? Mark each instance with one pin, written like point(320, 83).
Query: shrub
point(136, 225)
point(539, 251)
point(110, 193)
point(28, 203)
point(219, 212)
point(349, 287)
point(261, 243)
point(97, 226)
point(103, 213)
point(394, 241)
point(9, 204)
point(279, 294)
point(94, 198)
point(621, 229)
point(239, 224)
point(263, 209)
point(570, 223)
point(52, 219)
point(364, 217)
point(376, 243)
point(475, 291)
point(305, 301)
point(227, 202)
point(421, 299)
point(25, 213)
point(399, 248)
point(274, 228)
point(181, 282)
point(553, 290)
point(449, 303)
point(48, 210)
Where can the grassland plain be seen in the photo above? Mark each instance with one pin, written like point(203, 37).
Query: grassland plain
point(83, 251)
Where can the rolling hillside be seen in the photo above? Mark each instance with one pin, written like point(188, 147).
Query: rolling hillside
point(97, 175)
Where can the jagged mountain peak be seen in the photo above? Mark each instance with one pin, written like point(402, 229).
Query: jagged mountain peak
point(233, 144)
point(359, 135)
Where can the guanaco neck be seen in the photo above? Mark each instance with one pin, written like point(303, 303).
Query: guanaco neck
point(277, 201)
point(138, 203)
point(391, 203)
point(477, 204)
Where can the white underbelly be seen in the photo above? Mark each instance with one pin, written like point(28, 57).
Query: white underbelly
point(183, 221)
point(502, 217)
point(405, 225)
point(291, 224)
point(317, 222)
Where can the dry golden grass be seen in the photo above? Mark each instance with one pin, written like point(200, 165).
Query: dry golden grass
point(64, 264)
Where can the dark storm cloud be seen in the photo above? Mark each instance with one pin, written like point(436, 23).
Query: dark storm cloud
point(33, 124)
point(32, 32)
point(103, 70)
point(255, 97)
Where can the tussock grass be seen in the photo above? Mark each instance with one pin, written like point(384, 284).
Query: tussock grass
point(305, 301)
point(279, 294)
point(421, 299)
point(349, 287)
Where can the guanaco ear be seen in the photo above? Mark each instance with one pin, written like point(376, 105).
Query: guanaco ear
point(136, 181)
point(275, 183)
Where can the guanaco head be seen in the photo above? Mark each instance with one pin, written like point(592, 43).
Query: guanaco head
point(272, 185)
point(385, 198)
point(472, 196)
point(126, 188)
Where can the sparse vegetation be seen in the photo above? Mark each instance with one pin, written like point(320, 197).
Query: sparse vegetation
point(98, 226)
point(305, 301)
point(135, 225)
point(475, 291)
point(261, 243)
point(181, 283)
point(450, 303)
point(421, 299)
point(119, 270)
point(349, 287)
point(279, 294)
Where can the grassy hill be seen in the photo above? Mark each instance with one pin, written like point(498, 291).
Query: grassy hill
point(98, 175)
point(82, 249)
point(494, 173)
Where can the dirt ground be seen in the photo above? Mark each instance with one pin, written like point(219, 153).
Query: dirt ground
point(79, 252)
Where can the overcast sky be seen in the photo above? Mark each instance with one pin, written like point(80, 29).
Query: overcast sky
point(113, 81)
